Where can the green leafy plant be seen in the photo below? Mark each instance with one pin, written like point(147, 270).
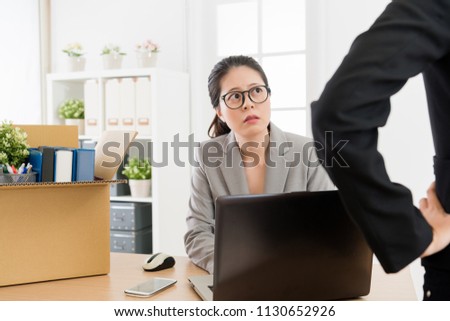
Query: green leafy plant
point(74, 50)
point(13, 145)
point(112, 49)
point(138, 169)
point(72, 109)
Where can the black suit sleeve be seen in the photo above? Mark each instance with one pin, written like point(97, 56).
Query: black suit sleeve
point(403, 42)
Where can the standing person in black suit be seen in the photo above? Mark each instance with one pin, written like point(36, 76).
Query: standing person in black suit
point(410, 37)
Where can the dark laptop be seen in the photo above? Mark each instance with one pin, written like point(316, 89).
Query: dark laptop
point(291, 246)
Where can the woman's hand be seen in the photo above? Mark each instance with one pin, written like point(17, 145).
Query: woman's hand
point(439, 220)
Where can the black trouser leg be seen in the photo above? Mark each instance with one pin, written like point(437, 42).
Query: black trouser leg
point(436, 285)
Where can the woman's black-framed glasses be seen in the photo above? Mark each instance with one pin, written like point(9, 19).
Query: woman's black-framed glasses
point(236, 99)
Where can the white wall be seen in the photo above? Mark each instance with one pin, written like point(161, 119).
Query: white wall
point(19, 62)
point(405, 141)
point(123, 22)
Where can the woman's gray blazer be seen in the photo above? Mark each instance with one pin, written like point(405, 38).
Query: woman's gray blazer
point(292, 165)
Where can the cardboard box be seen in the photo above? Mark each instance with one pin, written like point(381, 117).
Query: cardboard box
point(53, 231)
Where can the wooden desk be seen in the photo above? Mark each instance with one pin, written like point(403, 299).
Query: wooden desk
point(126, 271)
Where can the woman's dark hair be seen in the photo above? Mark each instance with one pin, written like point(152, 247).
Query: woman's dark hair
point(218, 127)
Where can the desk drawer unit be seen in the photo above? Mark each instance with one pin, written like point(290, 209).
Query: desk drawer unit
point(130, 216)
point(132, 242)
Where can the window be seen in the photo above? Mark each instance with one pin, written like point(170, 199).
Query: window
point(273, 32)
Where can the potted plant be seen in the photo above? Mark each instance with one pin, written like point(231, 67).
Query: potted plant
point(72, 111)
point(75, 59)
point(13, 153)
point(139, 174)
point(112, 56)
point(146, 54)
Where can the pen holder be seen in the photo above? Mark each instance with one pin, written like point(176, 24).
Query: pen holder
point(17, 178)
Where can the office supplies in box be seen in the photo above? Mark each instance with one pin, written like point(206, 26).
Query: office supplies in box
point(52, 231)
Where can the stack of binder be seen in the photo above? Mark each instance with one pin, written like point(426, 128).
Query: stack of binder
point(60, 164)
point(127, 104)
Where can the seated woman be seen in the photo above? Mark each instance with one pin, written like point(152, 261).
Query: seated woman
point(246, 155)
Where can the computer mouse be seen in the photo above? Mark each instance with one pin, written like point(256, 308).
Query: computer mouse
point(158, 261)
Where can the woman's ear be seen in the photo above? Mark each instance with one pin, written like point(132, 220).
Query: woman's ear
point(219, 114)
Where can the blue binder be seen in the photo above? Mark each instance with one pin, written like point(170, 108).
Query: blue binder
point(83, 164)
point(35, 159)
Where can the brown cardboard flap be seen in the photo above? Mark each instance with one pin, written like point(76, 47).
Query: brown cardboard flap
point(51, 135)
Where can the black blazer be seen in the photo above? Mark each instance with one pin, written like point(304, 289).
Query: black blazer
point(410, 37)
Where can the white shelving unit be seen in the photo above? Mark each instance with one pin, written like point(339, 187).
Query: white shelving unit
point(169, 117)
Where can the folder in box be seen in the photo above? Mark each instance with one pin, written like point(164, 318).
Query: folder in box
point(35, 159)
point(48, 163)
point(63, 165)
point(83, 164)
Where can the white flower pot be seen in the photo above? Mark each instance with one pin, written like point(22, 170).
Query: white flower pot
point(140, 187)
point(112, 61)
point(76, 63)
point(146, 59)
point(76, 122)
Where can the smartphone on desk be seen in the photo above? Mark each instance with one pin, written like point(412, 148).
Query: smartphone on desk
point(150, 287)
